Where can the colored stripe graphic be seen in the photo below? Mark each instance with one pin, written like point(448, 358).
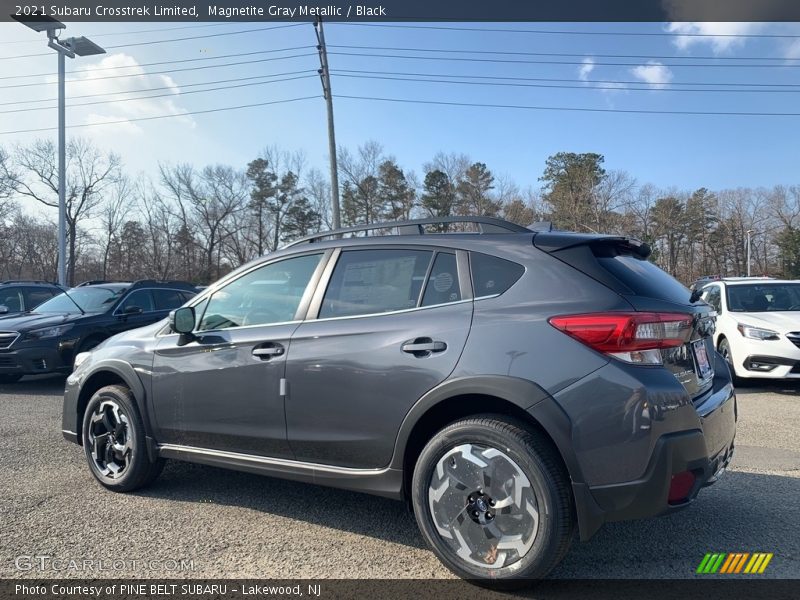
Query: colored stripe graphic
point(734, 562)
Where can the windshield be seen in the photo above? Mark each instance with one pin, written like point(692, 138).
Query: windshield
point(90, 299)
point(764, 297)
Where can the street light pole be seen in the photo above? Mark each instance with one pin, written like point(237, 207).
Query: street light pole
point(71, 48)
point(62, 177)
point(749, 234)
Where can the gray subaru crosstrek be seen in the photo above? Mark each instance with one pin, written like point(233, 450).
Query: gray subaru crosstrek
point(513, 385)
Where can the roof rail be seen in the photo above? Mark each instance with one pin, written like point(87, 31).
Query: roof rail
point(416, 227)
point(37, 281)
point(175, 282)
point(97, 282)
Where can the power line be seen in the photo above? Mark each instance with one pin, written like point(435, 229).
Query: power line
point(572, 109)
point(245, 62)
point(172, 62)
point(572, 32)
point(170, 40)
point(164, 87)
point(649, 88)
point(170, 116)
point(563, 54)
point(556, 62)
point(562, 80)
point(173, 95)
point(118, 33)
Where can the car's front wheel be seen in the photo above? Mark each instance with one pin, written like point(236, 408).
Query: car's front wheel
point(724, 348)
point(114, 441)
point(493, 500)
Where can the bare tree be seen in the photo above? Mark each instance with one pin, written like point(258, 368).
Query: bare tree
point(89, 174)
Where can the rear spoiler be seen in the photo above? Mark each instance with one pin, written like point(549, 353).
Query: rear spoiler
point(555, 241)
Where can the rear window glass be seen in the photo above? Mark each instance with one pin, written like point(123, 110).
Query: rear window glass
point(644, 278)
point(492, 275)
point(375, 281)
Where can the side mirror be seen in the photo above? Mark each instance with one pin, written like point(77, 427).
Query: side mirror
point(3, 310)
point(133, 310)
point(181, 320)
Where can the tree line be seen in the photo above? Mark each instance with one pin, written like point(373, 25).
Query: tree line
point(198, 223)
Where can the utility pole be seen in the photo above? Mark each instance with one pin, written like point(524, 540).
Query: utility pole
point(749, 238)
point(325, 77)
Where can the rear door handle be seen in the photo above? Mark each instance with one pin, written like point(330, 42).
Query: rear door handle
point(267, 351)
point(422, 347)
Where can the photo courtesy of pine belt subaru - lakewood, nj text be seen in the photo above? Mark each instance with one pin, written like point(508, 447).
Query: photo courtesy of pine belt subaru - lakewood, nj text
point(515, 385)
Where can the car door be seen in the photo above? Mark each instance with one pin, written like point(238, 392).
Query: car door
point(712, 296)
point(389, 326)
point(136, 309)
point(221, 388)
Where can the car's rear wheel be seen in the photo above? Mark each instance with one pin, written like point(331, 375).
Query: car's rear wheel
point(114, 441)
point(493, 500)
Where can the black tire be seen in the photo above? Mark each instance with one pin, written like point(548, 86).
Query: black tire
point(10, 378)
point(724, 348)
point(525, 452)
point(113, 409)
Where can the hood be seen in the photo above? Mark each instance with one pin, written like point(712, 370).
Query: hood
point(780, 321)
point(29, 321)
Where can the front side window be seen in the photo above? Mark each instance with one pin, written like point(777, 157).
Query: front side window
point(137, 302)
point(12, 300)
point(368, 282)
point(270, 294)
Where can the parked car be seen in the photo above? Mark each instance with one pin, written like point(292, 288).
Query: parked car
point(20, 295)
point(758, 325)
point(47, 339)
point(511, 385)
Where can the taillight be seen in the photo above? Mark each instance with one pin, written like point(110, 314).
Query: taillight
point(635, 337)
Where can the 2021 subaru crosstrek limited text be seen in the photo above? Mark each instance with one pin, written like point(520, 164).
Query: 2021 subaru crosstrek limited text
point(513, 385)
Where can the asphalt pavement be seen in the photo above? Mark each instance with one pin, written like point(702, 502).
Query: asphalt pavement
point(198, 521)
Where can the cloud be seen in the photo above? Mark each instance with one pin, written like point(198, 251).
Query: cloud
point(586, 68)
point(103, 78)
point(702, 33)
point(655, 74)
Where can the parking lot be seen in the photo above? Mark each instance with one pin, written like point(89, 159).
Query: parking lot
point(223, 523)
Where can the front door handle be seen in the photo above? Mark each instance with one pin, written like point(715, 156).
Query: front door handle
point(267, 351)
point(422, 347)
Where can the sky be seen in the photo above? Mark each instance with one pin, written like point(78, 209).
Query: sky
point(686, 151)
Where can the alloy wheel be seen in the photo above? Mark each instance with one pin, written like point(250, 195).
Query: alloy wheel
point(109, 440)
point(483, 506)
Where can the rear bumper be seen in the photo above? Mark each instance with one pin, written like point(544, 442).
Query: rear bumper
point(705, 452)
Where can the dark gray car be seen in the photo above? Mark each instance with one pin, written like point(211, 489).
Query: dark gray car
point(515, 386)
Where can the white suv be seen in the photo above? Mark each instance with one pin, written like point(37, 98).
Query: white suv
point(758, 325)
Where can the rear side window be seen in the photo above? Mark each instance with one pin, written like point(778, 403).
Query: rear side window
point(642, 277)
point(442, 286)
point(35, 296)
point(375, 281)
point(492, 275)
point(712, 296)
point(167, 299)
